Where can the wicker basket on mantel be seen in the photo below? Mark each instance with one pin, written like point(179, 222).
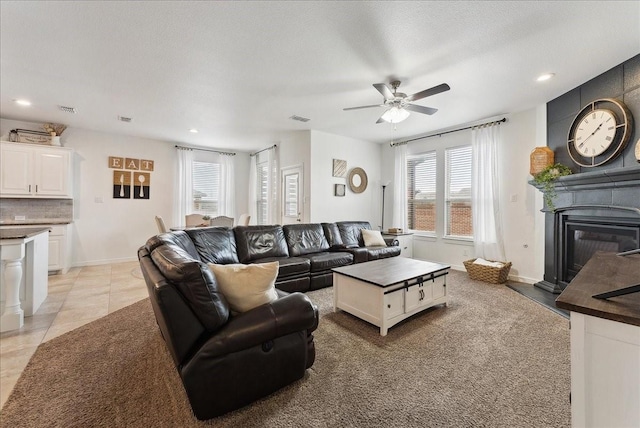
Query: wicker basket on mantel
point(490, 274)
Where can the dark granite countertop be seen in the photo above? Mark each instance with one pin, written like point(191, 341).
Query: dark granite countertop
point(32, 222)
point(21, 233)
point(605, 272)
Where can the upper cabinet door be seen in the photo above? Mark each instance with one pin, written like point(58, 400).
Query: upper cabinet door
point(32, 171)
point(51, 172)
point(17, 171)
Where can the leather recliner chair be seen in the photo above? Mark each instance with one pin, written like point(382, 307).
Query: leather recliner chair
point(224, 361)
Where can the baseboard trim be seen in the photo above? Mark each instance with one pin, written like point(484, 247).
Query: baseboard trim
point(104, 262)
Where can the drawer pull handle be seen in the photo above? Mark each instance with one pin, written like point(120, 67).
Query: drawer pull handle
point(388, 306)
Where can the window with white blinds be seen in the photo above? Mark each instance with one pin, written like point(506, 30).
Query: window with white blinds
point(206, 187)
point(421, 189)
point(262, 192)
point(458, 215)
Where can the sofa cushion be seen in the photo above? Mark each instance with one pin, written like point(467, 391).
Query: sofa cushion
point(214, 244)
point(195, 282)
point(258, 242)
point(332, 234)
point(372, 238)
point(305, 239)
point(321, 262)
point(289, 266)
point(179, 238)
point(350, 232)
point(247, 286)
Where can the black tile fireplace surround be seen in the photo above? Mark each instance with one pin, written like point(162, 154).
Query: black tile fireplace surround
point(595, 211)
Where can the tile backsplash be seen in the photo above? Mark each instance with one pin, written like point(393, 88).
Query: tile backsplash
point(35, 210)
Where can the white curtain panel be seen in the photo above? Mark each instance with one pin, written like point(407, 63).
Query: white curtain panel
point(185, 183)
point(274, 174)
point(485, 196)
point(253, 185)
point(227, 186)
point(399, 218)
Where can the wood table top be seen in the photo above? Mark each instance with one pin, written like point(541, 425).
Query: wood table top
point(389, 271)
point(605, 272)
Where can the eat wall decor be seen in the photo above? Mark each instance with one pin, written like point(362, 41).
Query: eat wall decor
point(131, 176)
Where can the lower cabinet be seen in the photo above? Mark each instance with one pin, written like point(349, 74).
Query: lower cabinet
point(405, 241)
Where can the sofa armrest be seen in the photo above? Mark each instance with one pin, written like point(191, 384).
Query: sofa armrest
point(286, 315)
point(391, 241)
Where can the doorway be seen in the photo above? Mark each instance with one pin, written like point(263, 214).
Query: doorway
point(292, 194)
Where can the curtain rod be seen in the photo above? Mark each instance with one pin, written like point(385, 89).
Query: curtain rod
point(205, 150)
point(260, 151)
point(495, 122)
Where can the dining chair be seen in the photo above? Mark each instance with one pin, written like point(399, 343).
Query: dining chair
point(161, 226)
point(222, 221)
point(193, 220)
point(244, 220)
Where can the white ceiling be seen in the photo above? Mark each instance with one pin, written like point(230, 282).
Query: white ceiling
point(238, 70)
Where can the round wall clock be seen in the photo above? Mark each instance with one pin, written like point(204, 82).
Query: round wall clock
point(599, 132)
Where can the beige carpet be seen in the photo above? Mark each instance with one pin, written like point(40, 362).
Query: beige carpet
point(492, 358)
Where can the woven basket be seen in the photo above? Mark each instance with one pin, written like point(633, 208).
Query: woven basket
point(540, 158)
point(487, 273)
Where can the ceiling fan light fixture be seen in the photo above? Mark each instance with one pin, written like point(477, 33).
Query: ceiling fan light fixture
point(395, 115)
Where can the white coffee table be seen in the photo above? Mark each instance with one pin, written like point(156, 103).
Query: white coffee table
point(387, 291)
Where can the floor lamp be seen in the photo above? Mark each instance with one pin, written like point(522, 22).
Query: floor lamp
point(384, 186)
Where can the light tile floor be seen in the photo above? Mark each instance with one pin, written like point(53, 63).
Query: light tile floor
point(75, 299)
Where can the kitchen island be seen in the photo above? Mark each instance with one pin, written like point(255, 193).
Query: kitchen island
point(24, 255)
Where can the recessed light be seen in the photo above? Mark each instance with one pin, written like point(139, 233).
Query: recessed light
point(25, 103)
point(193, 131)
point(545, 76)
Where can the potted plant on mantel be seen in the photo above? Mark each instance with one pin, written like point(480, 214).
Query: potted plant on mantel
point(546, 180)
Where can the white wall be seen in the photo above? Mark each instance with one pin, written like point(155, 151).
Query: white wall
point(325, 207)
point(109, 230)
point(523, 222)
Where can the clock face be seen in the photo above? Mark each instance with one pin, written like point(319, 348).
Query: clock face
point(599, 132)
point(595, 133)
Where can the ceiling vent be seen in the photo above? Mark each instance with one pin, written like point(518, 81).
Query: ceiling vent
point(124, 119)
point(299, 118)
point(68, 109)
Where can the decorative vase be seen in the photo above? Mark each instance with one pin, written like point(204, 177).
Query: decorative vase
point(55, 140)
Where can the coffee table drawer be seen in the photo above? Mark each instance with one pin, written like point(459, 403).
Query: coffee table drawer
point(394, 304)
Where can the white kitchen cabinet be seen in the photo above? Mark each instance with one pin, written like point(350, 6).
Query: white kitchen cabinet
point(33, 171)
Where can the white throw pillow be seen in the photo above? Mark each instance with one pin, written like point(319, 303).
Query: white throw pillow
point(246, 286)
point(373, 238)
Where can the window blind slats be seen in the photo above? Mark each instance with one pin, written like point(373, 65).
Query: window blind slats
point(458, 191)
point(206, 187)
point(421, 189)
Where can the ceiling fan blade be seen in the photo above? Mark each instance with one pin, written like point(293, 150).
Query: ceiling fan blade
point(381, 120)
point(420, 109)
point(384, 90)
point(428, 92)
point(356, 108)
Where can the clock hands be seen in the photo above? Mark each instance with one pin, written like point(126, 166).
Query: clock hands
point(592, 134)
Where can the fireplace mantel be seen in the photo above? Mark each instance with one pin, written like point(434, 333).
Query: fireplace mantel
point(610, 194)
point(601, 179)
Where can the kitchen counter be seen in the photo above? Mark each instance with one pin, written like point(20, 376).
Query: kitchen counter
point(32, 222)
point(24, 255)
point(21, 233)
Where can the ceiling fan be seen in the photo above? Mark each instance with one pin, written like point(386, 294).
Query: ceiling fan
point(398, 103)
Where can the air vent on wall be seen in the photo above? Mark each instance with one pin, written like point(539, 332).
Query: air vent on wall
point(299, 118)
point(68, 109)
point(124, 119)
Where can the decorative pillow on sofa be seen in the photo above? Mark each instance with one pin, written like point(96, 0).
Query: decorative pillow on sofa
point(246, 286)
point(373, 238)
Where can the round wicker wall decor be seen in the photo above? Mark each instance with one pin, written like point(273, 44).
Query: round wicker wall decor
point(357, 180)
